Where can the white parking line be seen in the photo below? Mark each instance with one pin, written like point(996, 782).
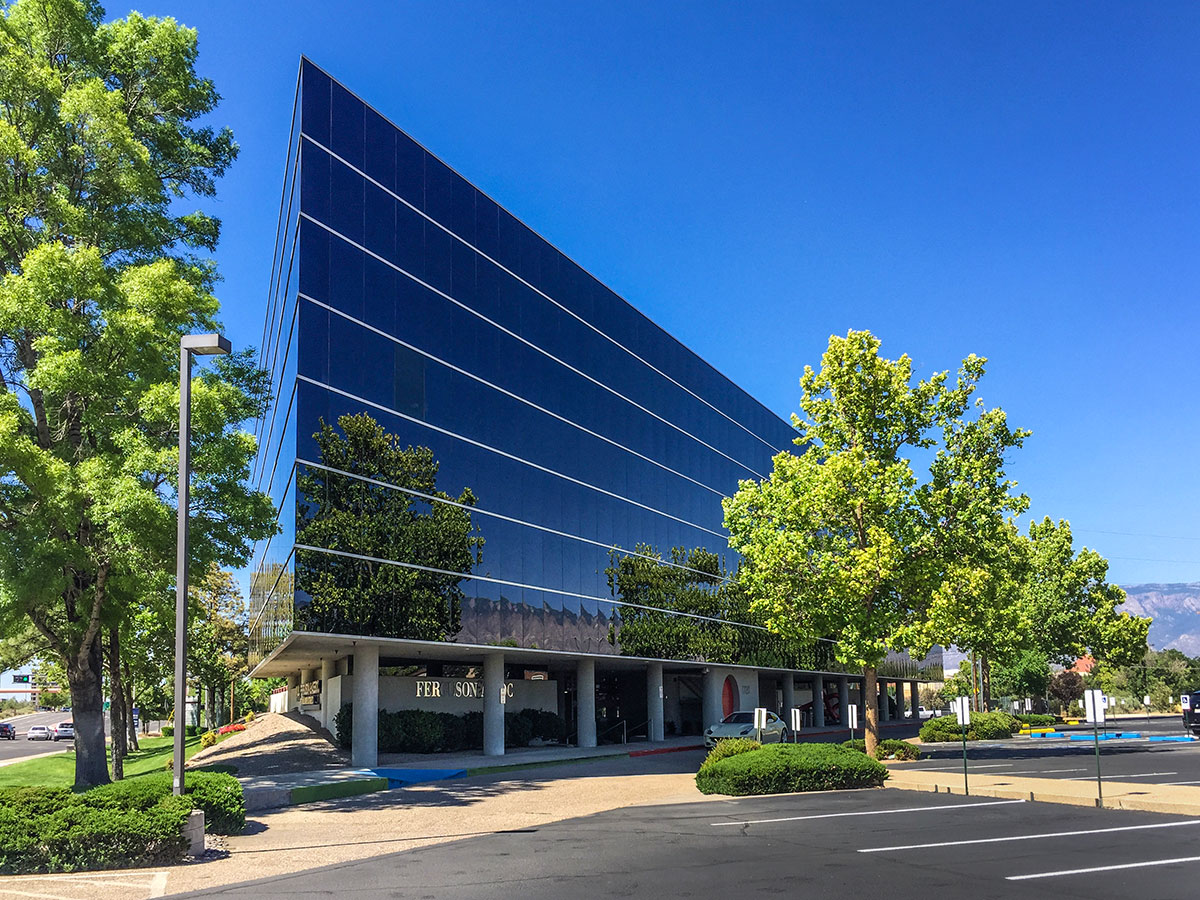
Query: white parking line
point(959, 767)
point(1123, 777)
point(1169, 783)
point(1029, 837)
point(1045, 772)
point(871, 812)
point(1138, 865)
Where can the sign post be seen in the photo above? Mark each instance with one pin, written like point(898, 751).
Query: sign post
point(852, 717)
point(962, 710)
point(1185, 704)
point(797, 722)
point(1093, 704)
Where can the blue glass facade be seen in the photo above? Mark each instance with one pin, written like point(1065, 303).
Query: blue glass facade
point(581, 432)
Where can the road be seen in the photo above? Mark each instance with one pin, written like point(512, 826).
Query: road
point(13, 750)
point(838, 845)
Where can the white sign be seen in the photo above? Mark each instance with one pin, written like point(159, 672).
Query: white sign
point(1093, 705)
point(1185, 701)
point(852, 715)
point(962, 710)
point(503, 694)
point(760, 717)
point(1028, 705)
point(797, 718)
point(1146, 700)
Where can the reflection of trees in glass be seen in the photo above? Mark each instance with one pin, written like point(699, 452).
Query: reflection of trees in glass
point(358, 596)
point(695, 581)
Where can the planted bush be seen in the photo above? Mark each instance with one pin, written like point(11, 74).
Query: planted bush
point(728, 747)
point(988, 726)
point(784, 768)
point(1036, 720)
point(421, 731)
point(889, 749)
point(137, 822)
point(208, 739)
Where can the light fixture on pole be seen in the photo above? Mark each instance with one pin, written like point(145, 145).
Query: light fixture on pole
point(199, 345)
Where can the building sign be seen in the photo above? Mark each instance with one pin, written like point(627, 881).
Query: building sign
point(465, 688)
point(310, 689)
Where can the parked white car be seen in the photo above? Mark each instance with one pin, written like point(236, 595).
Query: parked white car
point(64, 731)
point(39, 733)
point(926, 713)
point(741, 725)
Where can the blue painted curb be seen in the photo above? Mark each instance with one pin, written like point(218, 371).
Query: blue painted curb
point(1049, 734)
point(1172, 737)
point(404, 777)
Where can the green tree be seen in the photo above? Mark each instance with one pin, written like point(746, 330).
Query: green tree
point(1075, 609)
point(842, 541)
point(102, 271)
point(1026, 674)
point(1066, 687)
point(217, 642)
point(368, 498)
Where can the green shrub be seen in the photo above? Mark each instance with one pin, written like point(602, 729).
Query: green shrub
point(249, 717)
point(889, 749)
point(218, 794)
point(784, 768)
point(208, 739)
point(989, 726)
point(168, 731)
point(727, 747)
point(1036, 720)
point(420, 731)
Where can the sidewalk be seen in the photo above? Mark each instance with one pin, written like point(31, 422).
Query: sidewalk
point(1183, 800)
point(402, 769)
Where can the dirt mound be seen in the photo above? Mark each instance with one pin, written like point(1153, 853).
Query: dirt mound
point(275, 744)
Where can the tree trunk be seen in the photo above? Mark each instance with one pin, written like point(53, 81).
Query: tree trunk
point(117, 713)
point(985, 682)
point(84, 675)
point(870, 709)
point(210, 712)
point(127, 683)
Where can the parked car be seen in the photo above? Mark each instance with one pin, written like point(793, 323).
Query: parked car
point(926, 713)
point(1191, 713)
point(39, 733)
point(741, 725)
point(64, 731)
point(7, 732)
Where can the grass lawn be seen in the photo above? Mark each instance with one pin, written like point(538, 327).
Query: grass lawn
point(60, 768)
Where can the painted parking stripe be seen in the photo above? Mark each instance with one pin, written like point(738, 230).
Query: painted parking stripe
point(1045, 772)
point(1123, 777)
point(1030, 837)
point(959, 768)
point(1137, 865)
point(871, 812)
point(1169, 783)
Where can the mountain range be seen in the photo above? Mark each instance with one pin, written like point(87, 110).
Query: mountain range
point(1176, 612)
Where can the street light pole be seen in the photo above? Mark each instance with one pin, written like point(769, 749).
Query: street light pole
point(201, 345)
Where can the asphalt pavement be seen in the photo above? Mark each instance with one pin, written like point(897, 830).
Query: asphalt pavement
point(11, 751)
point(837, 845)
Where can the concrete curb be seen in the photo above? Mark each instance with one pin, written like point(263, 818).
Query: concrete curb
point(259, 799)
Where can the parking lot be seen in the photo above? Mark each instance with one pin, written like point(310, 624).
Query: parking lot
point(848, 844)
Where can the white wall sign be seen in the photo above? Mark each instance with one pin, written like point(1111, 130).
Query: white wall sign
point(504, 690)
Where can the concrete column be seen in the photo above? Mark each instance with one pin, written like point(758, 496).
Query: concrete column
point(328, 668)
point(885, 714)
point(818, 689)
point(585, 702)
point(714, 680)
point(914, 696)
point(293, 682)
point(843, 700)
point(901, 709)
point(365, 752)
point(654, 701)
point(493, 708)
point(789, 698)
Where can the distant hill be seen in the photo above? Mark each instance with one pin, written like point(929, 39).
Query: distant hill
point(1176, 612)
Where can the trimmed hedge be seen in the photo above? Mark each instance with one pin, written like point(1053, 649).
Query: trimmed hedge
point(132, 823)
point(188, 730)
point(889, 749)
point(988, 726)
point(422, 731)
point(727, 747)
point(1037, 720)
point(785, 768)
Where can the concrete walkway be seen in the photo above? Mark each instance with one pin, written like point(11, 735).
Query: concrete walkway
point(1181, 800)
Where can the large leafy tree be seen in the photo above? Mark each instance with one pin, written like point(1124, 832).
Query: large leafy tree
point(371, 502)
point(842, 540)
point(1076, 610)
point(101, 271)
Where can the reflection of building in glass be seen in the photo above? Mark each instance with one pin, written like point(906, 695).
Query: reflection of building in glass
point(577, 434)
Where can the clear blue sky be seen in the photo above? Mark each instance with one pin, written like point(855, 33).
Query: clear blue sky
point(1020, 181)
